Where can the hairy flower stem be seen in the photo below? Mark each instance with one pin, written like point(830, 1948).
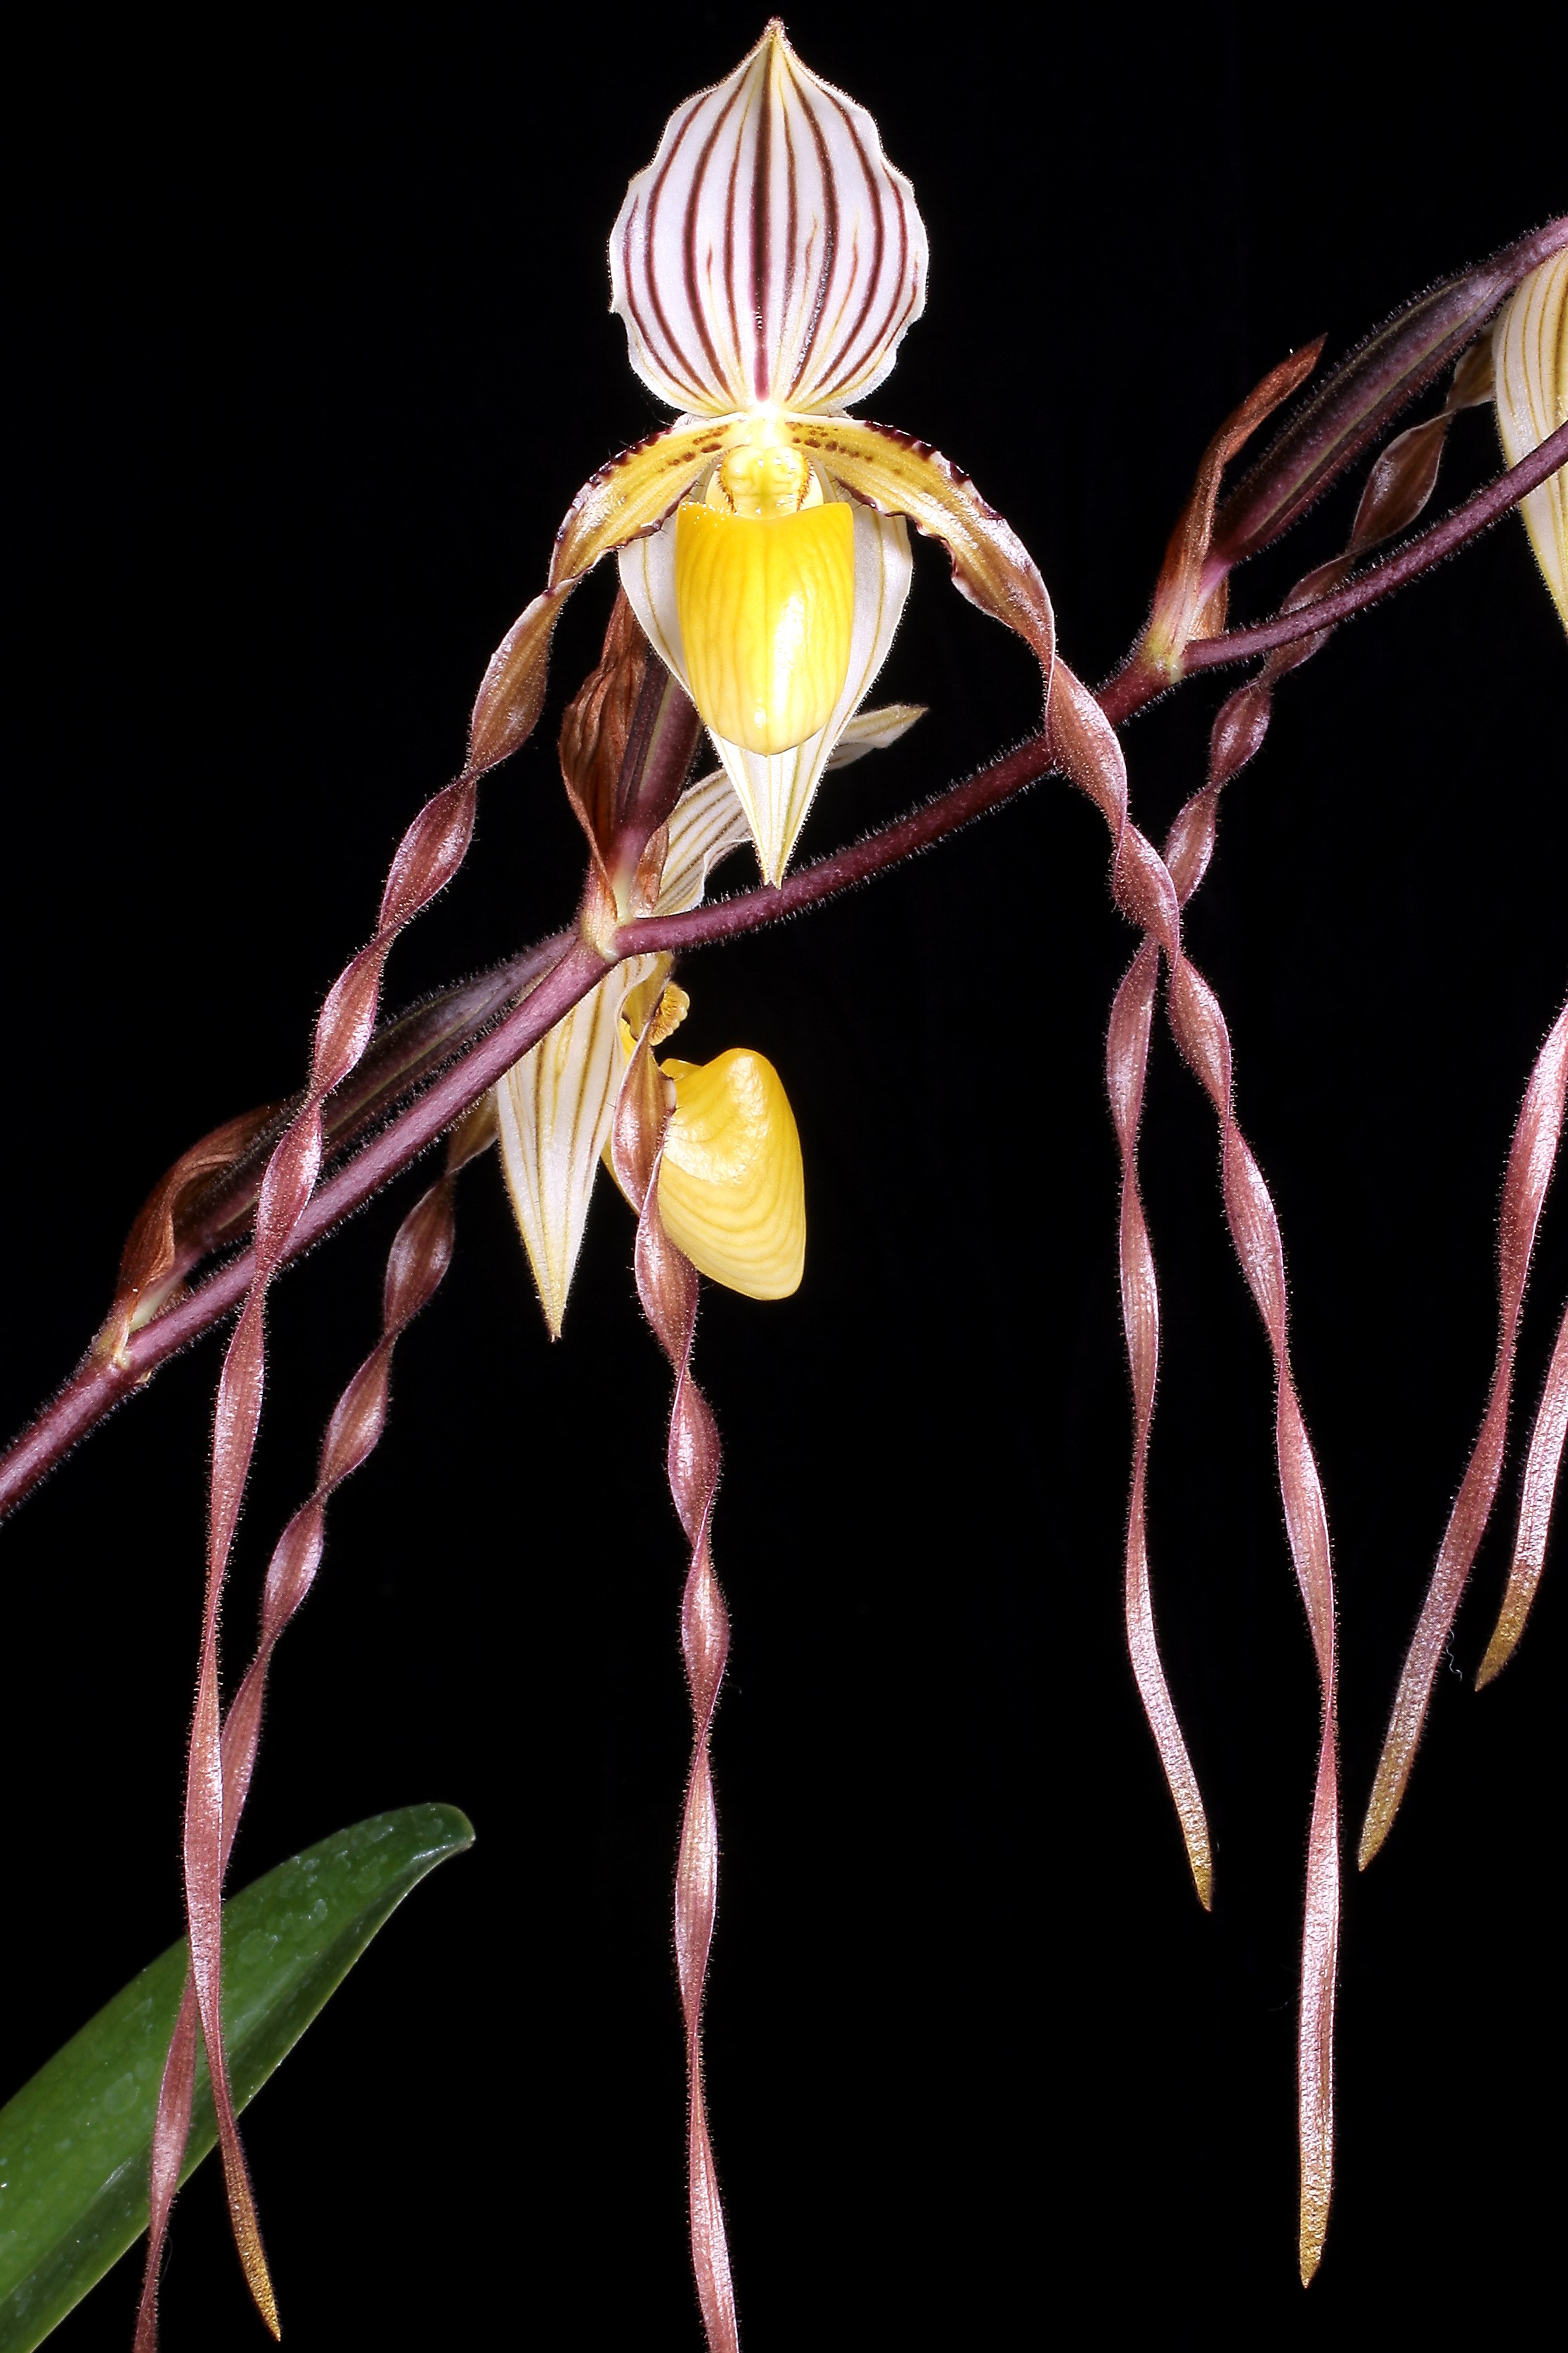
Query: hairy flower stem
point(1121, 699)
point(101, 1384)
point(1138, 682)
point(405, 1054)
point(206, 1200)
point(98, 1388)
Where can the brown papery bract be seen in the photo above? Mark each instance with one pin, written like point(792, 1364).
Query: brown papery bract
point(596, 729)
point(150, 1263)
point(1187, 604)
point(627, 742)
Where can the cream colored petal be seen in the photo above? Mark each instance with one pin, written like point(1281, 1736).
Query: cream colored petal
point(553, 1113)
point(770, 253)
point(707, 824)
point(1529, 351)
point(874, 731)
point(776, 789)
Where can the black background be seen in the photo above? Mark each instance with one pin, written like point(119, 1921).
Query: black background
point(314, 352)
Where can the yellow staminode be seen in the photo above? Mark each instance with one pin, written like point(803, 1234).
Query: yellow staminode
point(766, 593)
point(731, 1190)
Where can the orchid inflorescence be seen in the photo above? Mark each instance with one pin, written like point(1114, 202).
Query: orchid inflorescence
point(765, 266)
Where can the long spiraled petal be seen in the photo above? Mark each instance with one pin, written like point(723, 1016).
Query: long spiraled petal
point(631, 495)
point(1201, 1032)
point(900, 476)
point(776, 789)
point(1533, 1158)
point(667, 1287)
point(770, 253)
point(1537, 1491)
point(1529, 350)
point(1126, 1065)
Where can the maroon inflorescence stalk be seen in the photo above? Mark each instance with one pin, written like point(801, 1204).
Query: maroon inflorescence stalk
point(420, 1255)
point(101, 1384)
point(667, 1286)
point(1530, 1162)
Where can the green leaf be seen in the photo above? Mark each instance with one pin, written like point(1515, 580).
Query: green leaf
point(76, 2142)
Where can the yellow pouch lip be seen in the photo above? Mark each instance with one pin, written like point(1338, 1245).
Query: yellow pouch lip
point(766, 607)
point(731, 1190)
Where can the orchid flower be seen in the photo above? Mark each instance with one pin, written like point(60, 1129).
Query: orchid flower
point(767, 265)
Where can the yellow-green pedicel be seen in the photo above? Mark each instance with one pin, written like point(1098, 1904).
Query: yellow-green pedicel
point(731, 1191)
point(766, 595)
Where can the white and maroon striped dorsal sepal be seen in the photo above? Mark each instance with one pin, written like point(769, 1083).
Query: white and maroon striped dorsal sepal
point(769, 255)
